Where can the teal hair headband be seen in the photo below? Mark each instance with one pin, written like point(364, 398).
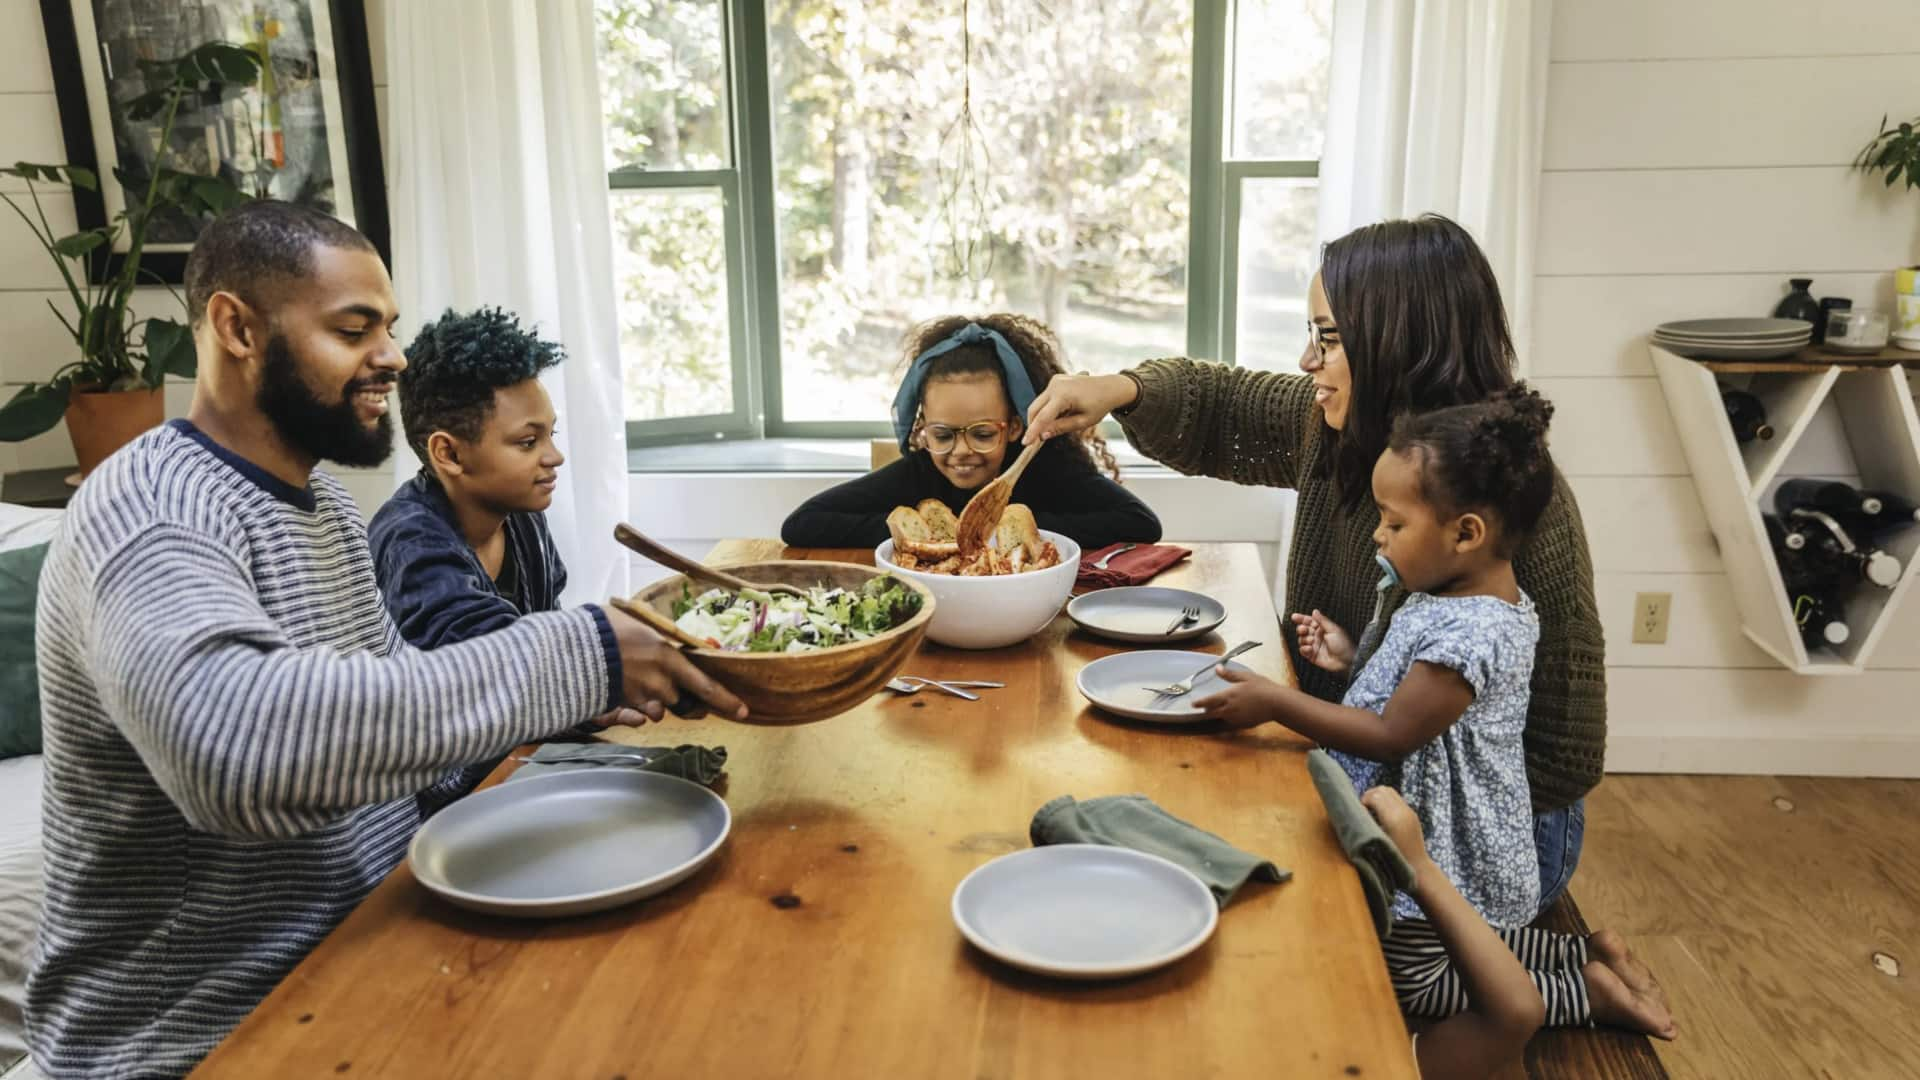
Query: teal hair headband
point(906, 403)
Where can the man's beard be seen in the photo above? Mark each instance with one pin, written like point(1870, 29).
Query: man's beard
point(330, 431)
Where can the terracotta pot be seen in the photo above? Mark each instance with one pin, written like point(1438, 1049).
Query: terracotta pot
point(101, 422)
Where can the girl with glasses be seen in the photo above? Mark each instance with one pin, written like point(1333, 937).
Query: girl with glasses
point(960, 408)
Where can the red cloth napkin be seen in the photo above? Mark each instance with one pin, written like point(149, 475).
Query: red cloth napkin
point(1136, 567)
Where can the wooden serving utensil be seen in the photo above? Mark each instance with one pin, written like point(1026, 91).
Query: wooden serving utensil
point(673, 560)
point(982, 515)
point(660, 623)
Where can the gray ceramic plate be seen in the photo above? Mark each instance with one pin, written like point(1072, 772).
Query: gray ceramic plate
point(1118, 684)
point(1142, 613)
point(1730, 352)
point(1084, 911)
point(571, 842)
point(1726, 329)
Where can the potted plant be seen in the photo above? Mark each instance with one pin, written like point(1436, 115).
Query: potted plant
point(111, 391)
point(1896, 151)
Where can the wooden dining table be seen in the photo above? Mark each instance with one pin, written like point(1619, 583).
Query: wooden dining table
point(820, 941)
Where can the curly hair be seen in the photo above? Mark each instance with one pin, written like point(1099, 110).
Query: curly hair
point(1040, 352)
point(1488, 456)
point(456, 363)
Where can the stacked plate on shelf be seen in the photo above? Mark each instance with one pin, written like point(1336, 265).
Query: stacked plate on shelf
point(1734, 339)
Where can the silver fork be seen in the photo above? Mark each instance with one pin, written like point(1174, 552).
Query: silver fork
point(636, 758)
point(1108, 557)
point(1190, 613)
point(1185, 686)
point(913, 684)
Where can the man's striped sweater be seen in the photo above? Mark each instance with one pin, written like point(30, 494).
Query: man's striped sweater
point(235, 733)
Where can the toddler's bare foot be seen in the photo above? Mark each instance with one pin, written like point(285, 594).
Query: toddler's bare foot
point(1611, 949)
point(1618, 1005)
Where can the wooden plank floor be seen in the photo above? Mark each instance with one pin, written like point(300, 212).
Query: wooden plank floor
point(1773, 910)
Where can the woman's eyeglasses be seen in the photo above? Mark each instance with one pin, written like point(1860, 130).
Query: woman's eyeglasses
point(984, 437)
point(1319, 335)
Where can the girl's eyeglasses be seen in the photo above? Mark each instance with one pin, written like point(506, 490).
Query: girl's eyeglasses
point(984, 437)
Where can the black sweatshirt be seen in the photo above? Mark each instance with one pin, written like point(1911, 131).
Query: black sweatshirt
point(1066, 493)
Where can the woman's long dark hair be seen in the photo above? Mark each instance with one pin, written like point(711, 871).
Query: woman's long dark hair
point(1420, 318)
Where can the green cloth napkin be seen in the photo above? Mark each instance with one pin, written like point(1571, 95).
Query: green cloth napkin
point(1383, 870)
point(700, 764)
point(1133, 821)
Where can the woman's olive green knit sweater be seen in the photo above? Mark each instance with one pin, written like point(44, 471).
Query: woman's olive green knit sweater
point(1254, 427)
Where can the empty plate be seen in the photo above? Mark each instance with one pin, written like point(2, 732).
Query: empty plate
point(1143, 613)
point(1730, 352)
point(1735, 329)
point(570, 842)
point(1118, 684)
point(1084, 911)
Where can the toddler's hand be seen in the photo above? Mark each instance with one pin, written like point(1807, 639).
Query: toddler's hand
point(1322, 643)
point(1248, 700)
point(1401, 824)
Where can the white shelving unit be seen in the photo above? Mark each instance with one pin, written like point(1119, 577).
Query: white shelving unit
point(1873, 402)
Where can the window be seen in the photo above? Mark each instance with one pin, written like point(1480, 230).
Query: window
point(789, 178)
point(1278, 107)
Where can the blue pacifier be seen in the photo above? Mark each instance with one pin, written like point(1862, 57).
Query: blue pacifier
point(1390, 578)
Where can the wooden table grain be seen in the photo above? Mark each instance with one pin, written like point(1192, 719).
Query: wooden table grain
point(819, 943)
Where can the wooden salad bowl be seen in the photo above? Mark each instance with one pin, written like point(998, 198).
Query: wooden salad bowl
point(797, 688)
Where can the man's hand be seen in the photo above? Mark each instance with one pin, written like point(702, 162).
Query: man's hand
point(622, 717)
point(1248, 701)
point(1322, 643)
point(654, 673)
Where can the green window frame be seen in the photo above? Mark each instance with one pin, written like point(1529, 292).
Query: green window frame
point(751, 234)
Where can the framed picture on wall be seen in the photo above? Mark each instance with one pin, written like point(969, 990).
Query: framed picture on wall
point(306, 132)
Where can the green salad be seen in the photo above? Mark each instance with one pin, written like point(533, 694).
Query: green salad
point(754, 621)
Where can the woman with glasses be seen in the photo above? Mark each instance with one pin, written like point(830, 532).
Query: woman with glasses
point(1405, 316)
point(968, 384)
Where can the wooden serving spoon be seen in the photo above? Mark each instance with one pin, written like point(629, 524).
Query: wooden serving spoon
point(686, 704)
point(982, 515)
point(660, 623)
point(673, 560)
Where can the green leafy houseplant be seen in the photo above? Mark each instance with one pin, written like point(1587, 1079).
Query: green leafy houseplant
point(1896, 151)
point(115, 352)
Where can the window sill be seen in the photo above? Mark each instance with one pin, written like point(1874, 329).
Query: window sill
point(836, 456)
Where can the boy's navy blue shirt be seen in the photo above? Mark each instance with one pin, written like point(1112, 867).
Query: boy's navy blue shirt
point(435, 588)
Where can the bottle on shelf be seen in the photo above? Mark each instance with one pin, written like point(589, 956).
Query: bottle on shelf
point(1831, 554)
point(1821, 618)
point(1800, 568)
point(1814, 586)
point(1889, 510)
point(1787, 543)
point(1845, 502)
point(1747, 415)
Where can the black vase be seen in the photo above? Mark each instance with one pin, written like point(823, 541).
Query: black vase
point(1800, 304)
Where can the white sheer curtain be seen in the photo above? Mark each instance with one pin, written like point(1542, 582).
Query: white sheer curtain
point(1437, 106)
point(499, 193)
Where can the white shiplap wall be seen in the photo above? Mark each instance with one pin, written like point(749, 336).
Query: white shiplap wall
point(32, 342)
point(1696, 157)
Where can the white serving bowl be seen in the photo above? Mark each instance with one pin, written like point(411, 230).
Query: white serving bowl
point(991, 612)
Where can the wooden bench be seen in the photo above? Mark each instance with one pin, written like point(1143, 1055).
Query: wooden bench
point(1584, 1053)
